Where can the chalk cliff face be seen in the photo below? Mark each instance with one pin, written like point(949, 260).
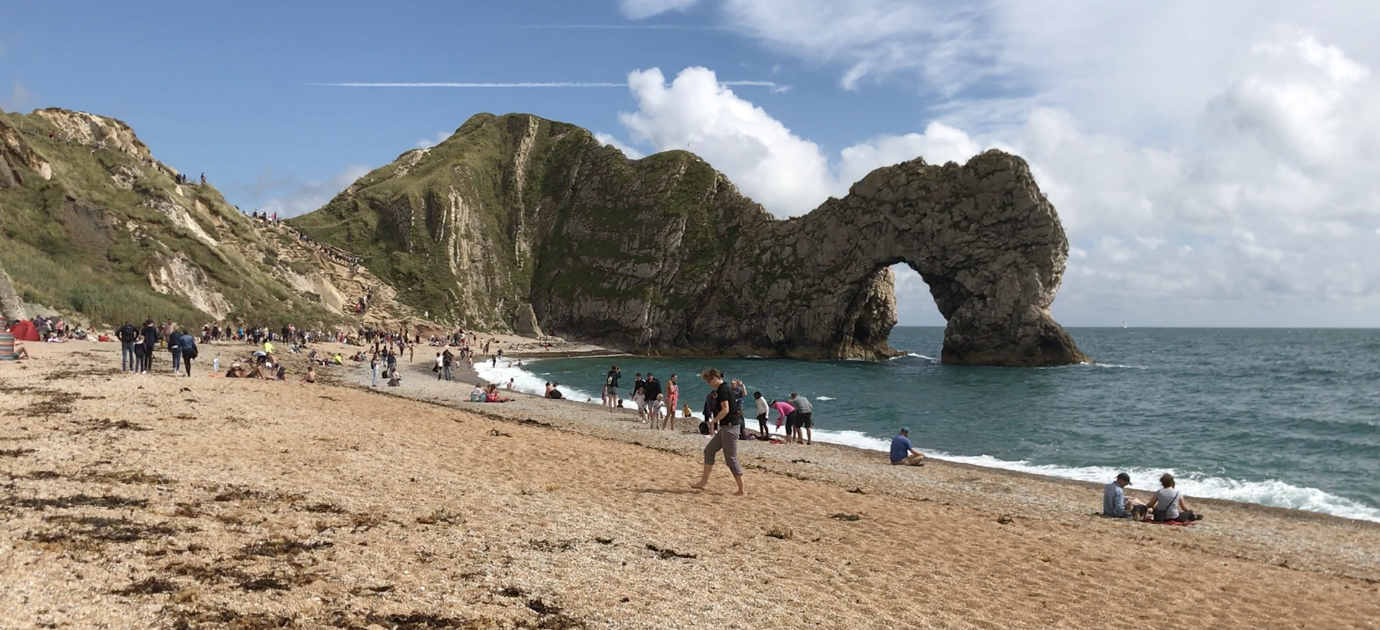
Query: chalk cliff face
point(663, 255)
point(92, 226)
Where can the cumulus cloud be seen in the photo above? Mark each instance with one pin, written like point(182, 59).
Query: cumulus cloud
point(639, 9)
point(611, 141)
point(787, 174)
point(1273, 203)
point(427, 143)
point(303, 197)
point(779, 169)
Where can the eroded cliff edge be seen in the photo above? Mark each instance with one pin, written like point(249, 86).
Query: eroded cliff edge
point(664, 255)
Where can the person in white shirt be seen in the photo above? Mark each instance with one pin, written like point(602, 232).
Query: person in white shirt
point(1168, 504)
point(763, 429)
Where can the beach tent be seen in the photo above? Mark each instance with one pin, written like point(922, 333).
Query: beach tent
point(24, 330)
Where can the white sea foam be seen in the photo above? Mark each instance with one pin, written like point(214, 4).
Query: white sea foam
point(1194, 484)
point(524, 381)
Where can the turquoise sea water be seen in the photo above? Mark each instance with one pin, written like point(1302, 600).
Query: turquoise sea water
point(1288, 418)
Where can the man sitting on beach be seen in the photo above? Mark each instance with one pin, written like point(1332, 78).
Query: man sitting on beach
point(903, 453)
point(1116, 504)
point(19, 353)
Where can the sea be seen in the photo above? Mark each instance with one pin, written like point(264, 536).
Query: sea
point(1280, 417)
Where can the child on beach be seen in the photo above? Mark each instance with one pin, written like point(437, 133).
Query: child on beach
point(763, 429)
point(639, 399)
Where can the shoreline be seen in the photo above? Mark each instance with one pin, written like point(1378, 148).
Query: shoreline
point(456, 400)
point(250, 502)
point(830, 437)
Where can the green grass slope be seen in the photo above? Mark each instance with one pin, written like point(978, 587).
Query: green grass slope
point(90, 238)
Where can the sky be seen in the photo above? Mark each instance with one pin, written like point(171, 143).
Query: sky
point(1213, 163)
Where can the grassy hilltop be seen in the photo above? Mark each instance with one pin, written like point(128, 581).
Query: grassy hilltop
point(517, 208)
point(92, 225)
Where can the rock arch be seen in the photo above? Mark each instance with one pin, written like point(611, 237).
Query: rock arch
point(981, 235)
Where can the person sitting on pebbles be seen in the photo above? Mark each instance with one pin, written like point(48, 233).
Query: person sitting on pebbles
point(493, 397)
point(903, 453)
point(1116, 504)
point(19, 353)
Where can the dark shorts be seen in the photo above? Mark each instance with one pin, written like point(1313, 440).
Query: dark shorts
point(805, 419)
point(612, 391)
point(792, 421)
point(761, 417)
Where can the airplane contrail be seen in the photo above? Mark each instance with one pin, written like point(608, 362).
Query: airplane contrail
point(525, 84)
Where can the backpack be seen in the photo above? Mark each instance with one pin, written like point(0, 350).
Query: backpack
point(127, 334)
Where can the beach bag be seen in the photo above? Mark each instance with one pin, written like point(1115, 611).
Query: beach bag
point(704, 427)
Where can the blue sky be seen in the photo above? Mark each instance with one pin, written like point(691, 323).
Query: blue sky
point(1212, 163)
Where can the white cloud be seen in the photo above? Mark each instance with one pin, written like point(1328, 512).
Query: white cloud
point(19, 98)
point(1269, 204)
point(784, 172)
point(943, 42)
point(939, 144)
point(639, 9)
point(617, 144)
point(427, 143)
point(305, 197)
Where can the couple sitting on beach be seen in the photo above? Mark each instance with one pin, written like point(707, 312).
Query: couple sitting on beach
point(1166, 505)
point(487, 394)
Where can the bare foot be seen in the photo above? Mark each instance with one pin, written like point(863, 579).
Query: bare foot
point(697, 486)
point(740, 493)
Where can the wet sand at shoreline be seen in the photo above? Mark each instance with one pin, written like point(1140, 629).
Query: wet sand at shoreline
point(154, 501)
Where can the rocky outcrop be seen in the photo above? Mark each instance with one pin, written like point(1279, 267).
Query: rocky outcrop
point(11, 306)
point(663, 255)
point(525, 322)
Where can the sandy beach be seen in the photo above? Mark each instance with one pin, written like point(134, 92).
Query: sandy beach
point(161, 502)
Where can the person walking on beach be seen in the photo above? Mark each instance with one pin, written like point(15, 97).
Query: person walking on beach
point(440, 363)
point(903, 453)
point(127, 335)
point(803, 418)
point(651, 392)
point(150, 341)
point(189, 352)
point(673, 391)
point(374, 371)
point(175, 349)
point(728, 425)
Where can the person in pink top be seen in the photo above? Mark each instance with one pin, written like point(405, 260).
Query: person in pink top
point(787, 415)
point(672, 396)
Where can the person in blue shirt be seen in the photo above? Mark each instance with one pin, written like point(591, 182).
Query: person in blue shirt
point(902, 453)
point(1116, 504)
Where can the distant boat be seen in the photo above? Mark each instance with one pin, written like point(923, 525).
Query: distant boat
point(1123, 325)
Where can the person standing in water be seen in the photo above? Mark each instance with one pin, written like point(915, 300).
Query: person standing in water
point(728, 425)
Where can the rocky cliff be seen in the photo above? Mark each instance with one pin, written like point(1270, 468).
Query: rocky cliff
point(663, 255)
point(93, 226)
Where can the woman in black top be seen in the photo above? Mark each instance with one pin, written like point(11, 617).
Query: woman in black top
point(729, 421)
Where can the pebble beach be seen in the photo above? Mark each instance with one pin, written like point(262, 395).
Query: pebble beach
point(155, 501)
